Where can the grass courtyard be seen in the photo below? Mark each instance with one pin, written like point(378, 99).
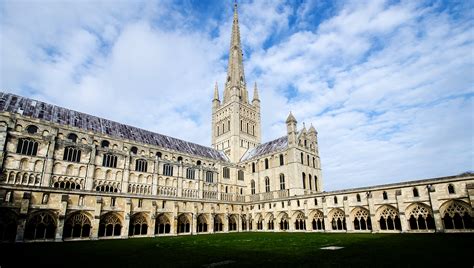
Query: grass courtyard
point(250, 249)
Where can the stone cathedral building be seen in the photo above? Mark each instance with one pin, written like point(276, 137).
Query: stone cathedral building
point(67, 175)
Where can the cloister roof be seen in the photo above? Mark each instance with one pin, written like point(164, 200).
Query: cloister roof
point(59, 115)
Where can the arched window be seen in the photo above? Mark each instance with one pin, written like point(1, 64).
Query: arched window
point(318, 221)
point(358, 197)
point(307, 160)
point(109, 160)
point(218, 224)
point(338, 220)
point(335, 200)
point(198, 163)
point(253, 167)
point(282, 160)
point(362, 220)
point(252, 187)
point(167, 170)
point(456, 215)
point(314, 162)
point(109, 225)
point(302, 158)
point(389, 219)
point(39, 226)
point(105, 144)
point(72, 137)
point(226, 172)
point(240, 175)
point(310, 181)
point(162, 225)
point(300, 222)
point(315, 183)
point(232, 223)
point(190, 174)
point(27, 147)
point(180, 159)
point(72, 154)
point(158, 154)
point(420, 217)
point(384, 195)
point(266, 163)
point(134, 150)
point(141, 165)
point(78, 225)
point(31, 129)
point(282, 182)
point(201, 224)
point(209, 176)
point(267, 184)
point(451, 189)
point(304, 180)
point(415, 192)
point(138, 225)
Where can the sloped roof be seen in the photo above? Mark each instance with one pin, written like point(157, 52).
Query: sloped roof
point(266, 148)
point(59, 115)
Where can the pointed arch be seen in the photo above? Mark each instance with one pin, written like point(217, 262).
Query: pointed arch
point(138, 224)
point(77, 225)
point(456, 214)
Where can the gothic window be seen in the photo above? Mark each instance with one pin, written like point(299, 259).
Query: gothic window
point(335, 200)
point(40, 226)
point(362, 220)
point(318, 221)
point(314, 162)
point(183, 224)
point(78, 225)
point(226, 172)
point(420, 217)
point(358, 197)
point(300, 222)
point(201, 224)
point(253, 130)
point(109, 225)
point(389, 219)
point(282, 182)
point(209, 176)
point(162, 225)
point(451, 189)
point(72, 154)
point(298, 203)
point(282, 162)
point(266, 163)
point(267, 184)
point(338, 220)
point(228, 125)
point(218, 225)
point(240, 175)
point(68, 185)
point(190, 173)
point(310, 181)
point(271, 223)
point(315, 183)
point(253, 167)
point(72, 137)
point(167, 170)
point(284, 224)
point(307, 160)
point(138, 225)
point(415, 192)
point(248, 129)
point(304, 180)
point(141, 165)
point(31, 129)
point(109, 160)
point(106, 188)
point(302, 158)
point(27, 147)
point(456, 215)
point(252, 187)
point(105, 144)
point(232, 223)
point(241, 125)
point(384, 195)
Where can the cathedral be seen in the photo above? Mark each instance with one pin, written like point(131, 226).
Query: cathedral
point(66, 175)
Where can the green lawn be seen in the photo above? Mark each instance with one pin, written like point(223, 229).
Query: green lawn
point(251, 249)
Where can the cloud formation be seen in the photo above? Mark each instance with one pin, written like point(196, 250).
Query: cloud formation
point(387, 84)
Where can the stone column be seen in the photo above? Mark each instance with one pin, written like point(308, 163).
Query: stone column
point(211, 223)
point(126, 173)
point(373, 219)
point(435, 204)
point(401, 212)
point(126, 218)
point(96, 220)
point(90, 170)
point(61, 218)
point(193, 227)
point(327, 223)
point(347, 215)
point(154, 186)
point(49, 162)
point(25, 204)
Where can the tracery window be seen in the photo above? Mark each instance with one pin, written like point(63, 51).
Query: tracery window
point(77, 225)
point(27, 147)
point(201, 224)
point(232, 223)
point(456, 215)
point(420, 218)
point(284, 224)
point(362, 220)
point(338, 220)
point(110, 225)
point(389, 219)
point(162, 225)
point(40, 226)
point(141, 165)
point(318, 221)
point(72, 154)
point(300, 222)
point(218, 225)
point(271, 223)
point(138, 225)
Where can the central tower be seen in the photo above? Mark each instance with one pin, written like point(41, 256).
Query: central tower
point(235, 121)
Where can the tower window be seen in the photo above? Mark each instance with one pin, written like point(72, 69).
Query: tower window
point(109, 160)
point(32, 129)
point(190, 173)
point(451, 189)
point(226, 172)
point(266, 163)
point(415, 192)
point(253, 167)
point(27, 147)
point(241, 175)
point(282, 182)
point(141, 165)
point(385, 196)
point(282, 162)
point(209, 177)
point(72, 154)
point(168, 170)
point(252, 187)
point(267, 184)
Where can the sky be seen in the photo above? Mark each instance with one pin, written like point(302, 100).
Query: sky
point(387, 84)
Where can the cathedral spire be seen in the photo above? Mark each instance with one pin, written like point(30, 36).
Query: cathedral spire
point(235, 83)
point(216, 92)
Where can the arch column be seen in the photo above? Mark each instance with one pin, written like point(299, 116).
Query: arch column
point(373, 219)
point(347, 215)
point(193, 227)
point(327, 224)
point(401, 212)
point(434, 204)
point(61, 216)
point(90, 170)
point(48, 162)
point(126, 218)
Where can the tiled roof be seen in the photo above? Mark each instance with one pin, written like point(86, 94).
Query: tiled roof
point(266, 148)
point(48, 112)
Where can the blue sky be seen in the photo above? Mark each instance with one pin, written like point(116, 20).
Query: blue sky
point(387, 84)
